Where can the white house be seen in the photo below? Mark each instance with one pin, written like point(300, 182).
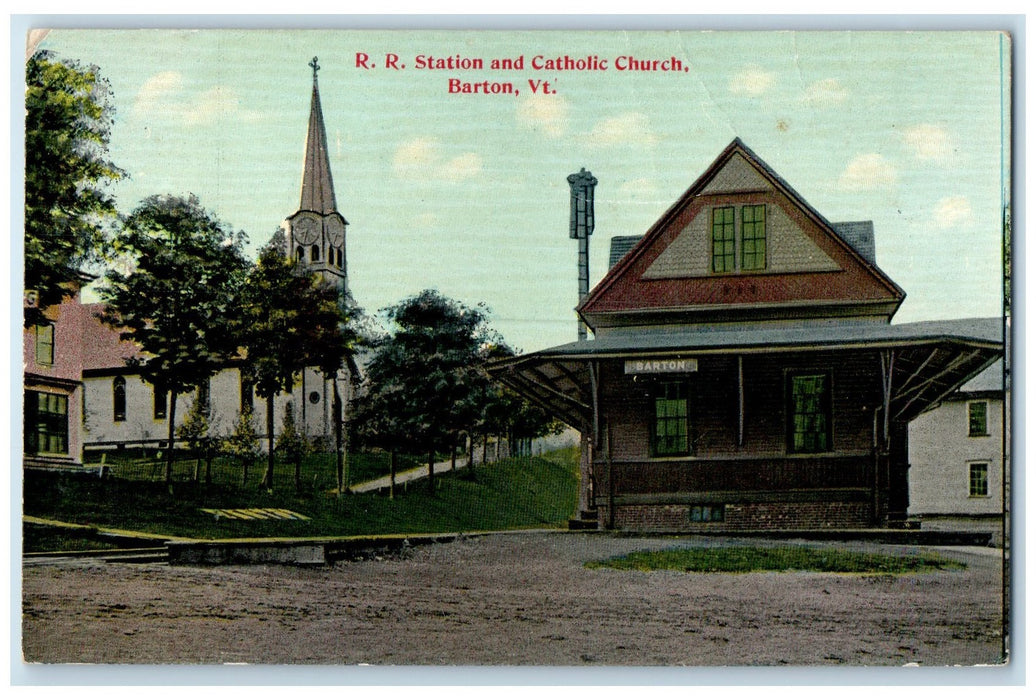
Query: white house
point(959, 456)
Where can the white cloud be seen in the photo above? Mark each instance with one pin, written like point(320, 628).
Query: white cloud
point(951, 211)
point(929, 142)
point(421, 159)
point(155, 91)
point(546, 113)
point(632, 128)
point(825, 93)
point(752, 81)
point(463, 167)
point(869, 171)
point(163, 95)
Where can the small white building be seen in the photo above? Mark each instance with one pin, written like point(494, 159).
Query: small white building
point(958, 458)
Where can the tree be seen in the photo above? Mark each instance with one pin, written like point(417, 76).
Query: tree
point(177, 300)
point(289, 320)
point(195, 430)
point(292, 444)
point(243, 442)
point(423, 381)
point(68, 118)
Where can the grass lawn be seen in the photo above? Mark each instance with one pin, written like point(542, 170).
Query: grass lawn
point(791, 558)
point(513, 493)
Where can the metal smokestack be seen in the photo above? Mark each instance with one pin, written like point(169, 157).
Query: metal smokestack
point(581, 226)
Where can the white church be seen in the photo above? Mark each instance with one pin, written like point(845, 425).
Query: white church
point(80, 393)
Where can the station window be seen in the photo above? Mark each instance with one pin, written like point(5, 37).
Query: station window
point(671, 434)
point(809, 413)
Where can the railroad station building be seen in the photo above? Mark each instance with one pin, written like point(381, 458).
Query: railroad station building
point(744, 372)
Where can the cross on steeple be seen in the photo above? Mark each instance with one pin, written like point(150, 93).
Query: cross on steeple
point(313, 64)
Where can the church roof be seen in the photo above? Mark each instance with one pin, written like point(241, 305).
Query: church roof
point(318, 190)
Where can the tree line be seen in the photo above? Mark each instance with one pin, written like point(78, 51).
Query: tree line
point(177, 283)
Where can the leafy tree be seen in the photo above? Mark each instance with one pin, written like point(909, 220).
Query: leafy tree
point(195, 430)
point(423, 381)
point(243, 442)
point(177, 299)
point(289, 320)
point(292, 444)
point(68, 118)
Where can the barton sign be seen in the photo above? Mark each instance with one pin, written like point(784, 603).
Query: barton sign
point(664, 366)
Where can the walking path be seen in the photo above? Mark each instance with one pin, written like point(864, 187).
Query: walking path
point(409, 475)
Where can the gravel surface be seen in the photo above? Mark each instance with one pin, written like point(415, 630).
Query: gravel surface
point(513, 599)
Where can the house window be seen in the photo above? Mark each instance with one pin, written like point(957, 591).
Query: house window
point(45, 344)
point(723, 239)
point(977, 425)
point(978, 480)
point(204, 397)
point(46, 423)
point(809, 412)
point(247, 393)
point(753, 237)
point(706, 514)
point(159, 408)
point(671, 434)
point(119, 399)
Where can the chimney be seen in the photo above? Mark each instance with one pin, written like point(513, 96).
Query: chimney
point(581, 226)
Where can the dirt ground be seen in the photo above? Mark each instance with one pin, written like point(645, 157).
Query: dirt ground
point(514, 599)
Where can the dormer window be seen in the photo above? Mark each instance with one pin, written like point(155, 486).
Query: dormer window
point(752, 239)
point(723, 239)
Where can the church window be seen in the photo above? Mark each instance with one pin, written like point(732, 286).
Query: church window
point(159, 408)
point(338, 256)
point(45, 344)
point(314, 253)
point(298, 254)
point(247, 393)
point(119, 399)
point(753, 237)
point(723, 239)
point(204, 396)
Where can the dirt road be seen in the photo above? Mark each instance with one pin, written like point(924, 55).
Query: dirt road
point(513, 600)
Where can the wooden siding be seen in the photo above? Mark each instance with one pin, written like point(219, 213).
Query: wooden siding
point(627, 405)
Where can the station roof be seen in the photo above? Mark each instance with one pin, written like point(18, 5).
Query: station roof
point(925, 361)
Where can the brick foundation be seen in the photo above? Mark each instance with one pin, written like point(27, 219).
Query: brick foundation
point(743, 516)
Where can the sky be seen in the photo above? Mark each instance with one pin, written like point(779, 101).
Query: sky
point(467, 193)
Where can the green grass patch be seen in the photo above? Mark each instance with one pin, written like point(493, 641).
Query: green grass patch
point(792, 558)
point(513, 493)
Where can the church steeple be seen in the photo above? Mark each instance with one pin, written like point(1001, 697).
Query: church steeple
point(316, 232)
point(318, 190)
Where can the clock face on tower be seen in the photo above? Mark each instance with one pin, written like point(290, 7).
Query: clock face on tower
point(336, 232)
point(306, 231)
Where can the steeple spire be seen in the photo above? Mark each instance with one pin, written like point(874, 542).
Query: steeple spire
point(318, 192)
